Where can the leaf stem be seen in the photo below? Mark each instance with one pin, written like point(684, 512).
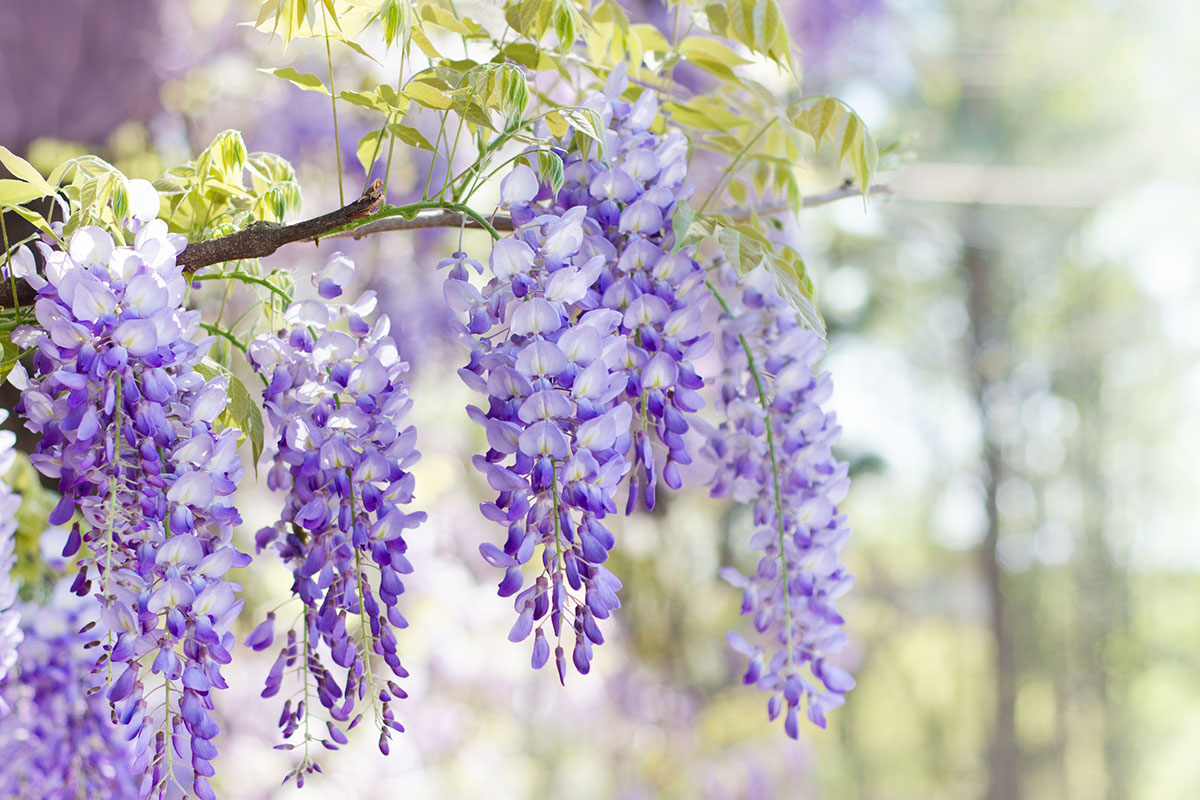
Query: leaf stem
point(766, 407)
point(244, 278)
point(733, 164)
point(337, 141)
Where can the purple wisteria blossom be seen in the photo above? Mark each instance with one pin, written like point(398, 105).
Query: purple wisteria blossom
point(556, 428)
point(630, 197)
point(774, 449)
point(582, 343)
point(337, 401)
point(57, 739)
point(127, 427)
point(10, 619)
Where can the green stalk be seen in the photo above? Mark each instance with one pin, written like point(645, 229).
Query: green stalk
point(244, 278)
point(762, 399)
point(733, 165)
point(337, 141)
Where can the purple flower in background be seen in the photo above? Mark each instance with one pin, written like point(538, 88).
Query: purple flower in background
point(10, 620)
point(780, 459)
point(557, 432)
point(127, 426)
point(57, 739)
point(660, 294)
point(337, 401)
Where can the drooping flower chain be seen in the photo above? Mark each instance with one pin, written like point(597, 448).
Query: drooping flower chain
point(57, 739)
point(592, 270)
point(337, 401)
point(773, 449)
point(556, 430)
point(126, 425)
point(630, 199)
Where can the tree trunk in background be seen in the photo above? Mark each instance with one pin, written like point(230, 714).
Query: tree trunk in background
point(986, 363)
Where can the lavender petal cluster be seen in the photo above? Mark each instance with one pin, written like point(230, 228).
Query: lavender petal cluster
point(583, 344)
point(543, 353)
point(630, 197)
point(337, 400)
point(773, 449)
point(126, 425)
point(10, 618)
point(58, 739)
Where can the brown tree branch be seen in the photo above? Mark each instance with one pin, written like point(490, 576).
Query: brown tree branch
point(261, 241)
point(258, 242)
point(453, 219)
point(253, 242)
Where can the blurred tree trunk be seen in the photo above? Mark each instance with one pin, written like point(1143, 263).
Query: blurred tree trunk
point(986, 363)
point(1102, 624)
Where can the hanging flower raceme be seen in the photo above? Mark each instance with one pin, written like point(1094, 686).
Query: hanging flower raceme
point(57, 739)
point(583, 343)
point(337, 400)
point(541, 351)
point(126, 425)
point(658, 290)
point(773, 449)
point(10, 619)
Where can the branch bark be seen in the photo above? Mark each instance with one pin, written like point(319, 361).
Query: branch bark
point(453, 219)
point(259, 242)
point(252, 242)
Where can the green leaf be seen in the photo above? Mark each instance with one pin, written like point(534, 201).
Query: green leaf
point(369, 100)
point(10, 354)
point(286, 17)
point(15, 193)
point(397, 17)
point(759, 25)
point(791, 279)
point(23, 170)
point(530, 17)
point(681, 223)
point(35, 219)
point(550, 169)
point(435, 15)
point(305, 80)
point(426, 95)
point(410, 136)
point(741, 251)
point(369, 148)
point(712, 56)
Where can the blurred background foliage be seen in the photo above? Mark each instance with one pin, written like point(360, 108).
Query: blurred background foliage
point(1013, 335)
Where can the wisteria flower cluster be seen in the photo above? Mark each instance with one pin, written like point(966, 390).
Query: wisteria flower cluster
point(774, 449)
point(125, 421)
point(57, 739)
point(582, 344)
point(630, 198)
point(337, 400)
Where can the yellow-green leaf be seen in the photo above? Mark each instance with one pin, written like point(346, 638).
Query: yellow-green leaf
point(428, 96)
point(241, 411)
point(305, 80)
point(15, 193)
point(410, 136)
point(368, 150)
point(23, 170)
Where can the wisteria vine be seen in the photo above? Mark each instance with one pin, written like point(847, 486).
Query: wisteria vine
point(587, 341)
point(337, 400)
